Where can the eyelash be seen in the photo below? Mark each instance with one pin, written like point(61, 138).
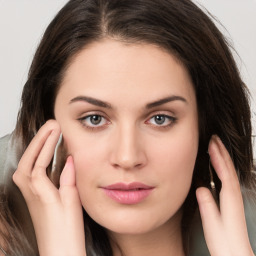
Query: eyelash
point(171, 119)
point(82, 120)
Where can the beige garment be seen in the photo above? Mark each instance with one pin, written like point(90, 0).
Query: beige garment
point(3, 251)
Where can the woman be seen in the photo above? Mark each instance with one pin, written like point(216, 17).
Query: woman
point(139, 90)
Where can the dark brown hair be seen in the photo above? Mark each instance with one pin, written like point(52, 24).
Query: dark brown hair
point(177, 26)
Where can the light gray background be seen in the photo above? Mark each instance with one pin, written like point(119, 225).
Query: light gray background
point(22, 23)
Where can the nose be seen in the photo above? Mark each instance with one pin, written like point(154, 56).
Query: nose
point(128, 151)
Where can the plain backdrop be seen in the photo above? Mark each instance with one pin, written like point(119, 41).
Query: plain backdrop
point(22, 23)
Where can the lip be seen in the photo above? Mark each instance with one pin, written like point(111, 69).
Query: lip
point(132, 193)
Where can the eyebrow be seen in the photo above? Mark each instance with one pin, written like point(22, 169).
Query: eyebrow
point(165, 100)
point(104, 104)
point(92, 101)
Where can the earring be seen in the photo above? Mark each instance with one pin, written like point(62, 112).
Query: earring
point(212, 184)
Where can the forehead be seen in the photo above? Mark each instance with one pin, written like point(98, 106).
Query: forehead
point(109, 67)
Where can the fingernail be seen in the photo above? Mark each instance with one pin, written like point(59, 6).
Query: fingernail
point(68, 161)
point(215, 137)
point(219, 142)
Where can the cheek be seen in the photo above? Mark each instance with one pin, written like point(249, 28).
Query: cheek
point(175, 163)
point(176, 152)
point(90, 160)
point(170, 164)
point(174, 160)
point(89, 154)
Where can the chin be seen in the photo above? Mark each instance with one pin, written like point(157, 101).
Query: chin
point(130, 228)
point(133, 222)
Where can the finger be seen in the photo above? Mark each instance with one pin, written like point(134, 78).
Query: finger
point(224, 165)
point(23, 173)
point(40, 184)
point(67, 177)
point(225, 170)
point(29, 157)
point(211, 221)
point(231, 202)
point(71, 201)
point(27, 178)
point(46, 154)
point(68, 190)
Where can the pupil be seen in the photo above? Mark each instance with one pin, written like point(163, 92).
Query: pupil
point(95, 119)
point(159, 119)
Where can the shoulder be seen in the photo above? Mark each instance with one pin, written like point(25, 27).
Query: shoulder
point(10, 153)
point(3, 147)
point(4, 141)
point(249, 197)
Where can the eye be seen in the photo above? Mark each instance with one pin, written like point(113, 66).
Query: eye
point(93, 121)
point(161, 120)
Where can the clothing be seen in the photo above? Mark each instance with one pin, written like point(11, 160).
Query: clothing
point(10, 153)
point(3, 251)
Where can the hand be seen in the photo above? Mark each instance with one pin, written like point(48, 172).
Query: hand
point(225, 228)
point(56, 213)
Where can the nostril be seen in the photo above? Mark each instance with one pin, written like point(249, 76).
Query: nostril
point(127, 166)
point(138, 165)
point(127, 153)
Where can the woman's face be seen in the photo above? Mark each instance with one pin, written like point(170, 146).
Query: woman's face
point(128, 115)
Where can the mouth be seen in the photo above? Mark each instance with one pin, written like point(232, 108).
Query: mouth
point(132, 193)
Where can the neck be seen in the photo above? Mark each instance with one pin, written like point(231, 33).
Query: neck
point(166, 240)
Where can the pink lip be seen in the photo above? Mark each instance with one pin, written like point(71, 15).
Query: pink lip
point(131, 193)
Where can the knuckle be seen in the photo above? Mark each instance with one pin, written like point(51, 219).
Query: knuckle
point(36, 184)
point(207, 199)
point(20, 167)
point(235, 187)
point(232, 184)
point(37, 172)
point(236, 184)
point(16, 177)
point(20, 180)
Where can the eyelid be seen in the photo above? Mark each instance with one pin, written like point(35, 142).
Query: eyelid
point(171, 117)
point(91, 112)
point(92, 127)
point(168, 115)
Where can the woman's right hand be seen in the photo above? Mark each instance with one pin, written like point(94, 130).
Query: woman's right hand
point(56, 213)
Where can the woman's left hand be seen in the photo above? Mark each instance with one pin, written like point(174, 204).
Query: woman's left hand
point(225, 227)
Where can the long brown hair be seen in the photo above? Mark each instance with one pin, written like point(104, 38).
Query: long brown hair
point(177, 26)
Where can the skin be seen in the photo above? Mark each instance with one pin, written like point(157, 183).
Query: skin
point(128, 77)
